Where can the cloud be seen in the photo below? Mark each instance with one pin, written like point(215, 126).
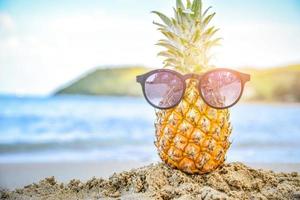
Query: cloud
point(48, 51)
point(65, 47)
point(259, 44)
point(6, 23)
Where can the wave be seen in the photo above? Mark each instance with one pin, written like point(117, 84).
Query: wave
point(79, 127)
point(85, 144)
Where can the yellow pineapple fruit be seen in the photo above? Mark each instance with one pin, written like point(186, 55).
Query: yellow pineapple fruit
point(192, 136)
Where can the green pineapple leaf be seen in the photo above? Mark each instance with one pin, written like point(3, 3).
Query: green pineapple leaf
point(188, 36)
point(210, 32)
point(172, 61)
point(179, 5)
point(166, 45)
point(159, 24)
point(197, 8)
point(188, 4)
point(177, 15)
point(165, 54)
point(208, 19)
point(164, 18)
point(214, 42)
point(196, 36)
point(205, 12)
point(175, 52)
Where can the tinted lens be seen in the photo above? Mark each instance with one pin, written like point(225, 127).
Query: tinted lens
point(163, 89)
point(221, 88)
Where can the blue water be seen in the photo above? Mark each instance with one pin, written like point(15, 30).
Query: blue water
point(121, 128)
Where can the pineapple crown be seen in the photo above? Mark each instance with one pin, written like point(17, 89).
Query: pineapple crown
point(188, 37)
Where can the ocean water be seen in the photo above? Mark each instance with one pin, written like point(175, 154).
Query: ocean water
point(78, 128)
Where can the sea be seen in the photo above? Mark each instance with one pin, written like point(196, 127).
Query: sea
point(97, 128)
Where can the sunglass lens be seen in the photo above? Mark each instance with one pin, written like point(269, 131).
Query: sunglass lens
point(221, 89)
point(163, 89)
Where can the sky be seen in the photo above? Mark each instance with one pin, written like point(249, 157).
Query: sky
point(46, 44)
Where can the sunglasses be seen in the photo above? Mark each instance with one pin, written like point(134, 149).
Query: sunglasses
point(219, 88)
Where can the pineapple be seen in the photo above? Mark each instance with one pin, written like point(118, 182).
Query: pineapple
point(192, 136)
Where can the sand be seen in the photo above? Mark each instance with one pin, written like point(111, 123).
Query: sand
point(158, 181)
point(17, 175)
point(25, 173)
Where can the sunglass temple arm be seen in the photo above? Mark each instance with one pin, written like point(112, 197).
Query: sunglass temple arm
point(139, 78)
point(246, 77)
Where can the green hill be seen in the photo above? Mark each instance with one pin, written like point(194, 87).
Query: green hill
point(109, 81)
point(272, 84)
point(275, 84)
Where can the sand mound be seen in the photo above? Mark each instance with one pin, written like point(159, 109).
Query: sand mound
point(158, 181)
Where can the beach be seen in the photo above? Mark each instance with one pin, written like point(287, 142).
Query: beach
point(76, 138)
point(89, 128)
point(155, 100)
point(18, 175)
point(130, 180)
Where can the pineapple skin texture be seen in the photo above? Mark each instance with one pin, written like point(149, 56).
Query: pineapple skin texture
point(192, 136)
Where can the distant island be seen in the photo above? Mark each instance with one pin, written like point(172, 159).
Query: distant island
point(116, 81)
point(271, 84)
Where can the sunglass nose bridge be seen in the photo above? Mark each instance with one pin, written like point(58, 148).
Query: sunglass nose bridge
point(191, 76)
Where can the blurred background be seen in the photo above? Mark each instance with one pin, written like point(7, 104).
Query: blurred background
point(68, 91)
